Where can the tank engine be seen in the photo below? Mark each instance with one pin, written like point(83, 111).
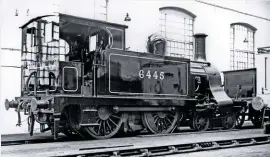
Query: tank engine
point(78, 79)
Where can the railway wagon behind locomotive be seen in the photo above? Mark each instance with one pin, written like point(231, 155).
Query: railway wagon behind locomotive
point(78, 79)
point(251, 85)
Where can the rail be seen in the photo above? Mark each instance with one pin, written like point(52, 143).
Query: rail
point(49, 139)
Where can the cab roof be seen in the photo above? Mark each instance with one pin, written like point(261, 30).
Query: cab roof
point(76, 19)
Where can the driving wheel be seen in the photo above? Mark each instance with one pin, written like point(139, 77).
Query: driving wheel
point(160, 122)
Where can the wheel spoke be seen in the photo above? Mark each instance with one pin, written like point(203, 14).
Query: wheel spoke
point(165, 123)
point(112, 121)
point(166, 118)
point(116, 116)
point(155, 115)
point(104, 128)
point(99, 127)
point(108, 125)
point(160, 125)
point(156, 120)
point(170, 115)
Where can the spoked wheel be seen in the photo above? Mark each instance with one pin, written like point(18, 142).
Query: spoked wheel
point(228, 122)
point(108, 123)
point(201, 122)
point(240, 119)
point(160, 122)
point(256, 121)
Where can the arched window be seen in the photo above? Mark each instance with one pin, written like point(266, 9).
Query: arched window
point(176, 25)
point(242, 46)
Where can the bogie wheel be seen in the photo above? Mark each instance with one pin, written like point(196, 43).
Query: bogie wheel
point(240, 119)
point(201, 122)
point(256, 121)
point(229, 121)
point(160, 122)
point(109, 123)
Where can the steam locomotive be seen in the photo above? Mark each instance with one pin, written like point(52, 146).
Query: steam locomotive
point(77, 78)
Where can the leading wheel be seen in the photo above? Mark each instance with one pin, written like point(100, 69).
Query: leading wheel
point(160, 122)
point(109, 123)
point(229, 120)
point(201, 122)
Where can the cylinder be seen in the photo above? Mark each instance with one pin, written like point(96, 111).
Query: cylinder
point(200, 54)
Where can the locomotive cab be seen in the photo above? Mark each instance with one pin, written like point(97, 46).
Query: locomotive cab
point(61, 53)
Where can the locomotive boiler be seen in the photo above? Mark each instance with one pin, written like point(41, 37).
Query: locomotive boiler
point(79, 79)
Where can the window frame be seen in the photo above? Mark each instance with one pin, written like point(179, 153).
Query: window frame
point(182, 48)
point(238, 56)
point(63, 79)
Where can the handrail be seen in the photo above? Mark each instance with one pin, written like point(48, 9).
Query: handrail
point(28, 79)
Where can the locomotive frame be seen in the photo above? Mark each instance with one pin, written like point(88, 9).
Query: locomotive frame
point(172, 91)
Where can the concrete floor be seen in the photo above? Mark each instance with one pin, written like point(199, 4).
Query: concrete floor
point(250, 151)
point(64, 148)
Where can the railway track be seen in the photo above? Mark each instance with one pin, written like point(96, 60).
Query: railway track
point(66, 139)
point(142, 145)
point(33, 141)
point(126, 151)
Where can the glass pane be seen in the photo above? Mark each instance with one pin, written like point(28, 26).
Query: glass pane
point(93, 43)
point(70, 79)
point(55, 32)
point(118, 40)
point(48, 32)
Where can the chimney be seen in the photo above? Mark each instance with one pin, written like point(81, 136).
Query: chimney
point(200, 54)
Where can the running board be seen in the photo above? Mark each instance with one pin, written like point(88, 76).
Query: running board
point(90, 124)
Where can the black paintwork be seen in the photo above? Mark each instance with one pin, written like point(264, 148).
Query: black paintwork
point(243, 79)
point(162, 76)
